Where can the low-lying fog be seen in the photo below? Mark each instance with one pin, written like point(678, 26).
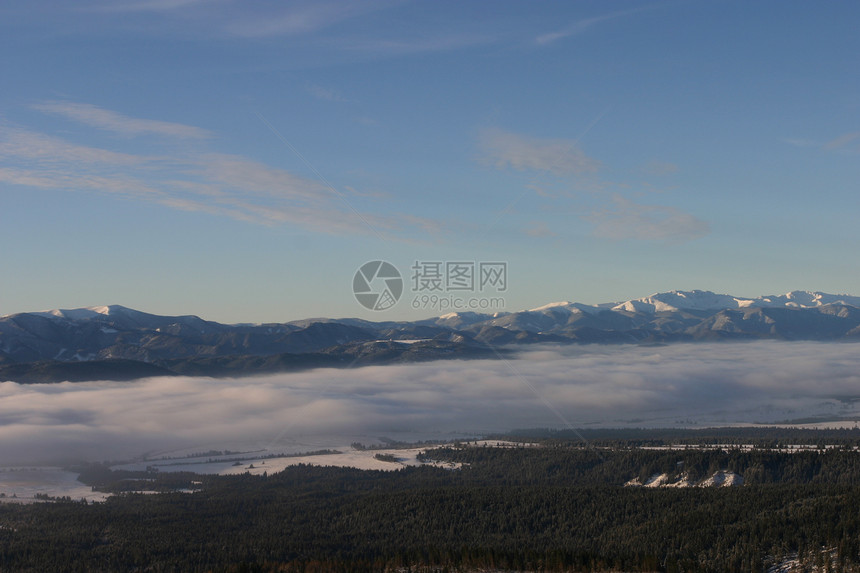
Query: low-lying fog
point(682, 384)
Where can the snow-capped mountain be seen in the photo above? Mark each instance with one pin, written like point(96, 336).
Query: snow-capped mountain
point(667, 311)
point(676, 300)
point(189, 344)
point(571, 307)
point(806, 299)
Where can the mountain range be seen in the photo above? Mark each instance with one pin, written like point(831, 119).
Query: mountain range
point(119, 343)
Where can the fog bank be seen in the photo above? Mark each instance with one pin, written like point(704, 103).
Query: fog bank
point(682, 384)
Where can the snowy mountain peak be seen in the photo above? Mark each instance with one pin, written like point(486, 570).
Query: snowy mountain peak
point(459, 319)
point(571, 307)
point(83, 313)
point(808, 299)
point(670, 301)
point(563, 304)
point(676, 300)
point(102, 309)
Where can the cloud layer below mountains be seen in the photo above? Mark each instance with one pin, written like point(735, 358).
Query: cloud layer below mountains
point(542, 387)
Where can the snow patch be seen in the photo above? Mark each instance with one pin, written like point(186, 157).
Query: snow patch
point(564, 304)
point(572, 307)
point(791, 563)
point(723, 478)
point(683, 482)
point(657, 480)
point(100, 309)
point(676, 300)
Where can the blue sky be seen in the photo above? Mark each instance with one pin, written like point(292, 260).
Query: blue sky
point(241, 160)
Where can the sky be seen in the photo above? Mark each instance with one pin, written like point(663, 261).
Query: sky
point(241, 161)
point(692, 385)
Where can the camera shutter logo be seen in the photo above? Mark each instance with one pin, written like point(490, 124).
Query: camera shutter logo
point(377, 285)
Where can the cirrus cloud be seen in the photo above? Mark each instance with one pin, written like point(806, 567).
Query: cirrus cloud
point(187, 179)
point(112, 121)
point(557, 156)
point(625, 219)
point(614, 217)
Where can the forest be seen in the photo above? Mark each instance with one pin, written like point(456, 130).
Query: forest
point(549, 504)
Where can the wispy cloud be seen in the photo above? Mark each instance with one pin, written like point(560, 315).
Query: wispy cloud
point(325, 94)
point(295, 18)
point(557, 156)
point(625, 219)
point(118, 123)
point(385, 28)
point(615, 217)
point(801, 142)
point(539, 229)
point(29, 145)
point(580, 26)
point(242, 19)
point(659, 168)
point(843, 141)
point(191, 180)
point(150, 5)
point(443, 42)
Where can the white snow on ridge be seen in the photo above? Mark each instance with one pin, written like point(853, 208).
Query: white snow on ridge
point(723, 478)
point(671, 301)
point(657, 480)
point(77, 313)
point(572, 307)
point(403, 341)
point(807, 299)
point(674, 301)
point(457, 319)
point(677, 300)
point(562, 304)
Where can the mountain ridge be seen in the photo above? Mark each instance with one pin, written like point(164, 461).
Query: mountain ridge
point(119, 337)
point(655, 302)
point(675, 300)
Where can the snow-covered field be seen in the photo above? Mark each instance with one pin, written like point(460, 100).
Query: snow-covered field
point(22, 485)
point(258, 463)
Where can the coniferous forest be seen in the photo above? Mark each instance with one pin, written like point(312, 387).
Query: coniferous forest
point(552, 505)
